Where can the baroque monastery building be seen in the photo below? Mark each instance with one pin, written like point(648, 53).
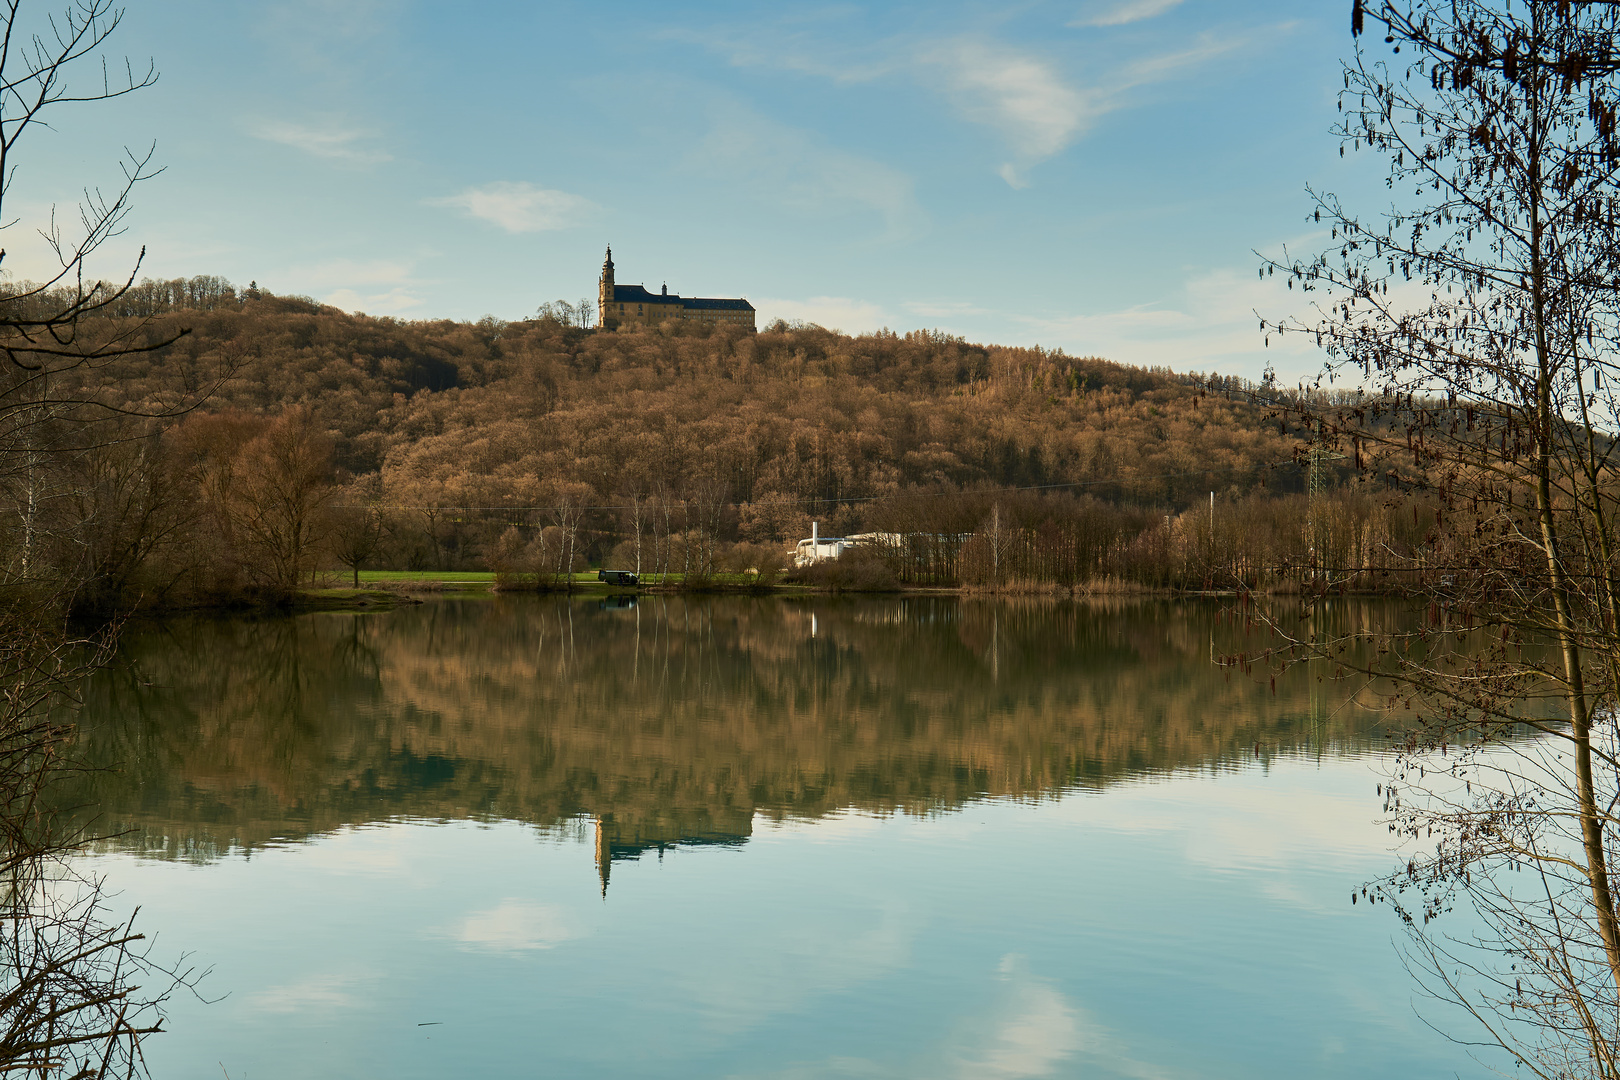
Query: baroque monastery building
point(632, 305)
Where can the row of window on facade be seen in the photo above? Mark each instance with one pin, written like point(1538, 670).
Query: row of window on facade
point(706, 315)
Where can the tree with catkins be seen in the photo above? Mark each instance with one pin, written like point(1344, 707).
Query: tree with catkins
point(1477, 318)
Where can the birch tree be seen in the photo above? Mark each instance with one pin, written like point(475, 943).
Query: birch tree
point(1477, 318)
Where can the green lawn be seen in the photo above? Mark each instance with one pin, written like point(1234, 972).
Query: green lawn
point(481, 576)
point(487, 577)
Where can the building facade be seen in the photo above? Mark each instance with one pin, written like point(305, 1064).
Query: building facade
point(632, 305)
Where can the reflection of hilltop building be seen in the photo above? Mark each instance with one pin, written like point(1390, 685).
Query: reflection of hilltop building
point(632, 305)
point(271, 731)
point(619, 841)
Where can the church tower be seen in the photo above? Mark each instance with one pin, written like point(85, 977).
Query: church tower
point(605, 298)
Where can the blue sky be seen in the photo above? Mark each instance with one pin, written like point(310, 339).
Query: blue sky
point(1091, 175)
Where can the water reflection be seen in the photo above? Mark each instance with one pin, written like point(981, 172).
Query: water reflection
point(669, 721)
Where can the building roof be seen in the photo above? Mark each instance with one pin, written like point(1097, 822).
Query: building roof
point(635, 294)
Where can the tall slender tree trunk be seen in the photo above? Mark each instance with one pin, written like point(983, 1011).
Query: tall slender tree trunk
point(1592, 828)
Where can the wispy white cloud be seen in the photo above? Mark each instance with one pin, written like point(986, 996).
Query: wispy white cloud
point(392, 302)
point(1019, 94)
point(348, 19)
point(795, 49)
point(1169, 65)
point(330, 140)
point(357, 272)
point(833, 312)
point(330, 39)
point(1208, 324)
point(1038, 108)
point(799, 171)
point(1120, 12)
point(520, 207)
point(944, 309)
point(375, 286)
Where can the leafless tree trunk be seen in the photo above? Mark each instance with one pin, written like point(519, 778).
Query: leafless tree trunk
point(1479, 323)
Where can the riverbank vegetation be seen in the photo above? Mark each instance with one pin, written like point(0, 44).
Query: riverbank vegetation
point(81, 988)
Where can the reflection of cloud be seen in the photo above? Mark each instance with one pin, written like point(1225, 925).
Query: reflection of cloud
point(826, 1069)
point(1035, 1029)
point(1229, 824)
point(819, 953)
point(520, 207)
point(515, 926)
point(797, 170)
point(316, 993)
point(833, 312)
point(835, 827)
point(1120, 12)
point(359, 850)
point(330, 140)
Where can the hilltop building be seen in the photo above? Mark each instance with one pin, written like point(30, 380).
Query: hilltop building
point(632, 305)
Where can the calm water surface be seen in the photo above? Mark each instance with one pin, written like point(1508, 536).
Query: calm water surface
point(752, 838)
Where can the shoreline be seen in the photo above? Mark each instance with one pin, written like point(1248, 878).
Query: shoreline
point(388, 594)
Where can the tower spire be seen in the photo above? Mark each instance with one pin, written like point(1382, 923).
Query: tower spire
point(604, 300)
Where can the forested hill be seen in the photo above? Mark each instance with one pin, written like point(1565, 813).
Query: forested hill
point(295, 437)
point(474, 414)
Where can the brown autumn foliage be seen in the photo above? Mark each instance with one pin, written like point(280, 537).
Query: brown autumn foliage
point(534, 447)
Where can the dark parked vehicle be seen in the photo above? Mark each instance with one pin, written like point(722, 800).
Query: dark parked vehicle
point(618, 577)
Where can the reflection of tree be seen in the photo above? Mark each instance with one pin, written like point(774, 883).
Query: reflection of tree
point(71, 1005)
point(71, 1000)
point(672, 720)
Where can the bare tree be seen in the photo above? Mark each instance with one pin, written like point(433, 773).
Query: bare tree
point(567, 513)
point(283, 484)
point(636, 511)
point(1480, 320)
point(356, 524)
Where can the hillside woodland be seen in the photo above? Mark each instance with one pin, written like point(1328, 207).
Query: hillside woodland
point(313, 439)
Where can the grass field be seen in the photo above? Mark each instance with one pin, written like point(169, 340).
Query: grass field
point(462, 579)
point(483, 577)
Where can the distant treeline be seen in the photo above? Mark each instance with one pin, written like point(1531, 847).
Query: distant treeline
point(326, 439)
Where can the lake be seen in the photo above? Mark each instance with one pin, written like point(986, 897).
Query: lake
point(517, 836)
